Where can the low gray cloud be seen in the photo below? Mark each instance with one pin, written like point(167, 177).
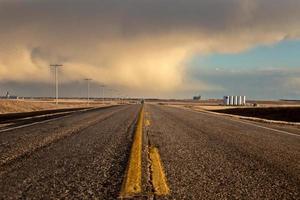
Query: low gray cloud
point(141, 45)
point(268, 83)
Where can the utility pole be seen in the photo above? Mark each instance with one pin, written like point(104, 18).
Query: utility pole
point(120, 98)
point(102, 86)
point(88, 90)
point(111, 94)
point(56, 80)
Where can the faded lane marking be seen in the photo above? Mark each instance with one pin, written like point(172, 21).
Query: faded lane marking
point(132, 183)
point(159, 179)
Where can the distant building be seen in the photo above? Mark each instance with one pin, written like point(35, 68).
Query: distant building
point(197, 98)
point(234, 100)
point(8, 96)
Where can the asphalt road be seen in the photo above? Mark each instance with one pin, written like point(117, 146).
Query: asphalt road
point(203, 156)
point(82, 156)
point(206, 156)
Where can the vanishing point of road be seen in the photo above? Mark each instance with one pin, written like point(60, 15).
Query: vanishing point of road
point(148, 152)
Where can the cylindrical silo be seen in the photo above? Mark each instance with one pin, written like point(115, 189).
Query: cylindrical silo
point(240, 100)
point(231, 100)
point(235, 100)
point(244, 100)
point(226, 100)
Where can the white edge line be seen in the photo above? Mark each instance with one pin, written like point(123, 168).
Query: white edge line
point(45, 121)
point(243, 122)
point(272, 129)
point(32, 124)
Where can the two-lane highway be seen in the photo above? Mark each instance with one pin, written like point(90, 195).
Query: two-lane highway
point(149, 152)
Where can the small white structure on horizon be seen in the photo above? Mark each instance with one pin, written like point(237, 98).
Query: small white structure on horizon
point(226, 100)
point(8, 96)
point(234, 100)
point(244, 100)
point(230, 100)
point(239, 101)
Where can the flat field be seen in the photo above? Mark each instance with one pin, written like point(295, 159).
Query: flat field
point(289, 114)
point(273, 110)
point(16, 106)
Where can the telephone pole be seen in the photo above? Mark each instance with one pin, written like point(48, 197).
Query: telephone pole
point(102, 86)
point(56, 80)
point(88, 89)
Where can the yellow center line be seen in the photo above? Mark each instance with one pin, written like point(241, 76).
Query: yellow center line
point(159, 179)
point(132, 183)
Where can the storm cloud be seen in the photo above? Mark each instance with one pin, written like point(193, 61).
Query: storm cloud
point(139, 44)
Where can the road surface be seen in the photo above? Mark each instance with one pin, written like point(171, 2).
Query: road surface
point(211, 157)
point(82, 156)
point(180, 154)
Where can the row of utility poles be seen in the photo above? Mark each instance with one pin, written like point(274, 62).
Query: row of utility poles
point(88, 80)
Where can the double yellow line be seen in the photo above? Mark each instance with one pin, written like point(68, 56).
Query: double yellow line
point(132, 184)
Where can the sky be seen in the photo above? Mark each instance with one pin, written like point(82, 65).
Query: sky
point(151, 48)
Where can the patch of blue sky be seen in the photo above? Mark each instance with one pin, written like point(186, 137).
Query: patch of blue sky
point(285, 54)
point(263, 72)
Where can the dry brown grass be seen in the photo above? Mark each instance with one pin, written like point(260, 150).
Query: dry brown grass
point(15, 106)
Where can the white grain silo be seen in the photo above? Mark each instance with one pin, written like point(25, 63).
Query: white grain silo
point(235, 100)
point(244, 100)
point(240, 100)
point(231, 100)
point(226, 100)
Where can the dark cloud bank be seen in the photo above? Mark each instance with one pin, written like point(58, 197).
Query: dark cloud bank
point(140, 45)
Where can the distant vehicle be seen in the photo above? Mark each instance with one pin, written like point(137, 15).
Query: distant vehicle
point(197, 98)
